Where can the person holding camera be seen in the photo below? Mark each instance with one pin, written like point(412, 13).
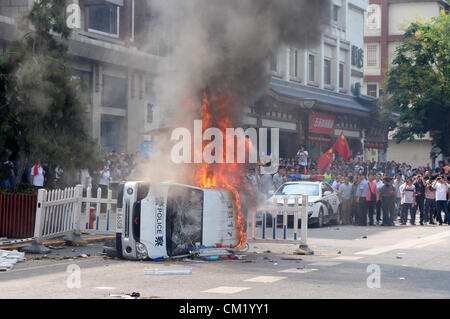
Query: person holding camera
point(430, 201)
point(408, 191)
point(441, 199)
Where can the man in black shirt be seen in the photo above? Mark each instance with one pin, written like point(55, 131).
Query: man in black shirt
point(419, 183)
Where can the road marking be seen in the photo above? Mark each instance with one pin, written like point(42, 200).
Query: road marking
point(349, 258)
point(43, 266)
point(429, 240)
point(105, 288)
point(265, 279)
point(429, 244)
point(298, 271)
point(325, 263)
point(226, 290)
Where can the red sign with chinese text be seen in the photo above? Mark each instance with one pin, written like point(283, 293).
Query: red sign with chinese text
point(322, 123)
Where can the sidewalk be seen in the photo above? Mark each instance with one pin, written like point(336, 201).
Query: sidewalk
point(19, 243)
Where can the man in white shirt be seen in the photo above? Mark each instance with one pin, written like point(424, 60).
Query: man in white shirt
point(380, 184)
point(86, 181)
point(37, 175)
point(441, 188)
point(408, 191)
point(303, 156)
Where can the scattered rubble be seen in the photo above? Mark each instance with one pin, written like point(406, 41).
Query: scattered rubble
point(9, 258)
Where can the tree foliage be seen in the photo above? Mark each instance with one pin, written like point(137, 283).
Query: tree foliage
point(43, 115)
point(418, 83)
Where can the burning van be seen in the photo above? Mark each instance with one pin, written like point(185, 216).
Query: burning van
point(167, 220)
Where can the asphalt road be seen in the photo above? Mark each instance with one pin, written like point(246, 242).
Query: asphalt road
point(408, 262)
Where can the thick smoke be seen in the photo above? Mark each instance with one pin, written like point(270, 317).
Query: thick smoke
point(225, 45)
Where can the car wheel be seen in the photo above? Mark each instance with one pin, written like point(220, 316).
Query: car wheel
point(320, 223)
point(320, 219)
point(337, 220)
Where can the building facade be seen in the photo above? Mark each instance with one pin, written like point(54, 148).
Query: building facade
point(384, 26)
point(105, 46)
point(315, 93)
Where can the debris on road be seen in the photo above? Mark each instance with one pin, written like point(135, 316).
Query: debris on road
point(9, 258)
point(291, 258)
point(168, 272)
point(193, 260)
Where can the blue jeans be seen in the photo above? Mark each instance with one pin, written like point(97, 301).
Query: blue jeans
point(404, 217)
point(385, 206)
point(442, 205)
point(398, 207)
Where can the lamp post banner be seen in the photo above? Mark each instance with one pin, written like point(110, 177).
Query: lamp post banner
point(322, 123)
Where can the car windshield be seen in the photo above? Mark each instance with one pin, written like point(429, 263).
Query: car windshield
point(299, 189)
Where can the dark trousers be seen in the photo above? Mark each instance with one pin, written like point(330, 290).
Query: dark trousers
point(386, 206)
point(405, 209)
point(371, 210)
point(442, 205)
point(362, 212)
point(379, 210)
point(420, 205)
point(430, 210)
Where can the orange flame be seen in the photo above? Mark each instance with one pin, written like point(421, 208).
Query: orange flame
point(227, 176)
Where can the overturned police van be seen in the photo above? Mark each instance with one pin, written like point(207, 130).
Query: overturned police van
point(156, 221)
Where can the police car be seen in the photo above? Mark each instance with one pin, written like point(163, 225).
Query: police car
point(324, 206)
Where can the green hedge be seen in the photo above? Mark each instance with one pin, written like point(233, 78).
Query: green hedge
point(19, 189)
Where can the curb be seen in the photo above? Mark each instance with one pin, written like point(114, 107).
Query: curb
point(59, 242)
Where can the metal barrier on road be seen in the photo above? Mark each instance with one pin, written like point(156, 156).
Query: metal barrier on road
point(273, 211)
point(57, 213)
point(94, 221)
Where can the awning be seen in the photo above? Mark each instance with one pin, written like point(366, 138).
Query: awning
point(320, 139)
point(297, 91)
point(116, 2)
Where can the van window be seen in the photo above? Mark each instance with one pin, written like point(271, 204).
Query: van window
point(184, 219)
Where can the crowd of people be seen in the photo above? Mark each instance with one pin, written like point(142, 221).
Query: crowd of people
point(117, 167)
point(371, 193)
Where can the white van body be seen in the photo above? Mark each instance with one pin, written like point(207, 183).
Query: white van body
point(166, 219)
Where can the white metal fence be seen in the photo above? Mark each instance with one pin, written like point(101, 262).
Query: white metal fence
point(268, 214)
point(105, 221)
point(67, 212)
point(57, 212)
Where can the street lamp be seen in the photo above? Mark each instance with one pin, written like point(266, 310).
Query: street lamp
point(303, 248)
point(307, 104)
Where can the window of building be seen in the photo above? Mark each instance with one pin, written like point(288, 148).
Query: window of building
point(104, 19)
point(150, 113)
point(114, 92)
point(373, 16)
point(372, 90)
point(372, 54)
point(327, 71)
point(293, 57)
point(273, 63)
point(311, 68)
point(336, 10)
point(85, 84)
point(341, 75)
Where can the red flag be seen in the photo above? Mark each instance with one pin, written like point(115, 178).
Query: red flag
point(325, 160)
point(342, 147)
